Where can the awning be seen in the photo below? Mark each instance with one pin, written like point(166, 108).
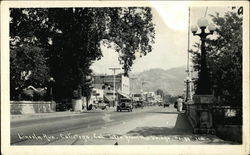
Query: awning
point(108, 98)
point(123, 95)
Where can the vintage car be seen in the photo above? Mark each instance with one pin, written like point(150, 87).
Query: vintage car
point(124, 104)
point(64, 105)
point(138, 104)
point(98, 105)
point(166, 104)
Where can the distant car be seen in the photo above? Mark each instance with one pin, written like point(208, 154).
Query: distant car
point(64, 105)
point(138, 104)
point(102, 105)
point(160, 104)
point(98, 105)
point(166, 104)
point(125, 104)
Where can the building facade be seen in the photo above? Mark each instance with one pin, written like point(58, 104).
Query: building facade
point(107, 82)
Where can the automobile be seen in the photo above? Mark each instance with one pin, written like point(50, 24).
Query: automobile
point(166, 104)
point(160, 104)
point(138, 104)
point(64, 105)
point(125, 104)
point(102, 105)
point(98, 105)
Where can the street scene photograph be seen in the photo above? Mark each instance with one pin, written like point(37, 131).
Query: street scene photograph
point(129, 75)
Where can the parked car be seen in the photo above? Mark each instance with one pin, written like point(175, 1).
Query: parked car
point(166, 104)
point(124, 104)
point(64, 105)
point(138, 104)
point(102, 105)
point(98, 105)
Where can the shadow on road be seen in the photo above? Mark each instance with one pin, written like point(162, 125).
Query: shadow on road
point(182, 131)
point(182, 127)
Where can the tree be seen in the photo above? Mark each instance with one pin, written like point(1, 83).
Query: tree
point(27, 67)
point(28, 59)
point(72, 38)
point(224, 58)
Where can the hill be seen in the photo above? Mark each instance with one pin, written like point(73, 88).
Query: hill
point(171, 81)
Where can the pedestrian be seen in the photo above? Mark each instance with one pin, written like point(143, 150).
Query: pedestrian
point(179, 103)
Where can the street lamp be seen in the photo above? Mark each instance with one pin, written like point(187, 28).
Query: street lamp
point(203, 86)
point(51, 81)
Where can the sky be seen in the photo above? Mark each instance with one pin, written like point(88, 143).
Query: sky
point(171, 39)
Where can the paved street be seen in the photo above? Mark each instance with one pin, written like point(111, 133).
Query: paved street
point(150, 125)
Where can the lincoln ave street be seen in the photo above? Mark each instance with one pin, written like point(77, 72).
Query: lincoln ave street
point(150, 125)
point(126, 75)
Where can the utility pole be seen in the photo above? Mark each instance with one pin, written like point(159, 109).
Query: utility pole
point(114, 69)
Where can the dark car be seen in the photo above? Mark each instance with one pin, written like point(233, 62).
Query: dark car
point(166, 104)
point(138, 104)
point(125, 104)
point(64, 105)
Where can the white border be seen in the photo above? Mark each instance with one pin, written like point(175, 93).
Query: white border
point(105, 149)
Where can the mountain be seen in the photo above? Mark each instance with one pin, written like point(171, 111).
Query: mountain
point(171, 81)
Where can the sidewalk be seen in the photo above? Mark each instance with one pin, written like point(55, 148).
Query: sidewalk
point(34, 116)
point(22, 117)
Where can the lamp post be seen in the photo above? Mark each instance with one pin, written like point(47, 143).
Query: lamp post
point(51, 81)
point(203, 86)
point(188, 93)
point(203, 98)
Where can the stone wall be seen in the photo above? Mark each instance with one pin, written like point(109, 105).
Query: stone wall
point(29, 107)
